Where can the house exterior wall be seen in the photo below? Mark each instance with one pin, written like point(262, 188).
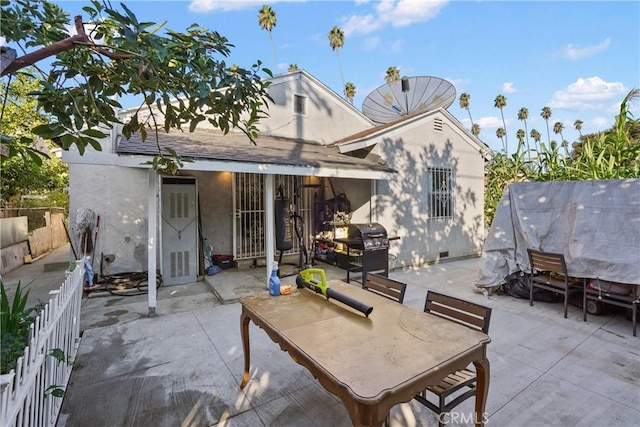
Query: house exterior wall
point(326, 120)
point(358, 192)
point(119, 196)
point(402, 203)
point(215, 194)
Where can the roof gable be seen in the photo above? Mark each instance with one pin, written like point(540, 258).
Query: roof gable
point(325, 116)
point(369, 137)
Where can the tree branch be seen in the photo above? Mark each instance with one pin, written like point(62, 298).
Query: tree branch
point(69, 43)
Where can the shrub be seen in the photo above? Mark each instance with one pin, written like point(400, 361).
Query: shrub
point(15, 320)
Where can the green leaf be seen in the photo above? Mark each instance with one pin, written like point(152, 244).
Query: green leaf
point(94, 133)
point(47, 131)
point(54, 390)
point(36, 157)
point(95, 144)
point(57, 354)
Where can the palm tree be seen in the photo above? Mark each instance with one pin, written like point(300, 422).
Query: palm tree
point(464, 103)
point(546, 115)
point(336, 41)
point(267, 20)
point(558, 127)
point(392, 75)
point(520, 134)
point(500, 133)
point(475, 129)
point(292, 67)
point(350, 91)
point(578, 125)
point(536, 138)
point(501, 102)
point(523, 115)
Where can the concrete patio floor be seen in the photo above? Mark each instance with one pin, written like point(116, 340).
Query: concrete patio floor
point(184, 367)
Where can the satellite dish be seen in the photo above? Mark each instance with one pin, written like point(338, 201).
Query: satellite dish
point(407, 96)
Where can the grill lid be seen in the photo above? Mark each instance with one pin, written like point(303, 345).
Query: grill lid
point(366, 231)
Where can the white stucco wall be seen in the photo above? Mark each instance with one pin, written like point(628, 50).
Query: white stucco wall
point(215, 202)
point(328, 118)
point(119, 196)
point(358, 192)
point(402, 203)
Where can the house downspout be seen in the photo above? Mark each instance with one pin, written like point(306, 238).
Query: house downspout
point(115, 130)
point(152, 231)
point(269, 197)
point(373, 200)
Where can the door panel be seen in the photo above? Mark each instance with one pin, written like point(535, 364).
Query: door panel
point(179, 231)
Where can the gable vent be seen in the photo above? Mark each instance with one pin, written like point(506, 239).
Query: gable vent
point(299, 104)
point(437, 124)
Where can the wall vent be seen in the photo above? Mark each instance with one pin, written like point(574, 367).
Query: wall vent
point(437, 124)
point(179, 266)
point(299, 104)
point(443, 254)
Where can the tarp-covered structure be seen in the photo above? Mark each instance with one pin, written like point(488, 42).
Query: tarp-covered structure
point(595, 224)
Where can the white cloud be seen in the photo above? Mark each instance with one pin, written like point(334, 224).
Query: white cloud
point(397, 13)
point(508, 87)
point(204, 6)
point(400, 13)
point(360, 24)
point(490, 122)
point(577, 52)
point(458, 84)
point(585, 94)
point(3, 41)
point(600, 123)
point(371, 43)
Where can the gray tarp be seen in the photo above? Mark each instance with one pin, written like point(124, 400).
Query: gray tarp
point(595, 224)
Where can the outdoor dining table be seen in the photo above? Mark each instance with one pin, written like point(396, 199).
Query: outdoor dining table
point(371, 363)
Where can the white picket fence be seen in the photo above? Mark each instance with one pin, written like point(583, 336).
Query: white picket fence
point(25, 393)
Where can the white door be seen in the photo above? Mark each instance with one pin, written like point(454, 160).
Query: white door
point(179, 231)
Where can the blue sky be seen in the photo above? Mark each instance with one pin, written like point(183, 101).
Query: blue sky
point(579, 58)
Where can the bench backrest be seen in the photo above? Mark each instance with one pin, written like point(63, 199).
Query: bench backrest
point(385, 286)
point(467, 313)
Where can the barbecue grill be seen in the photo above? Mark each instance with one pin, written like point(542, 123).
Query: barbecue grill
point(373, 242)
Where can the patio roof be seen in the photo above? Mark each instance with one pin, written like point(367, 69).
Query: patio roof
point(212, 150)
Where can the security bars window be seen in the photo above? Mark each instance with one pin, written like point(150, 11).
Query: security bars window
point(441, 197)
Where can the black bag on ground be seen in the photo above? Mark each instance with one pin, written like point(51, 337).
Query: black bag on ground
point(517, 286)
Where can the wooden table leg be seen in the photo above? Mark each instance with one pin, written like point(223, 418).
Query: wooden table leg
point(244, 332)
point(482, 389)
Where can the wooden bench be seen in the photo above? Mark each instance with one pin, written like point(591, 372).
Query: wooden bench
point(604, 296)
point(385, 286)
point(549, 272)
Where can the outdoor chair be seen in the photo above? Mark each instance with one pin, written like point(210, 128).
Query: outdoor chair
point(388, 288)
point(385, 287)
point(549, 272)
point(460, 385)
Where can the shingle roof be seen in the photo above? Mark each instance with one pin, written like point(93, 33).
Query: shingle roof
point(236, 147)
